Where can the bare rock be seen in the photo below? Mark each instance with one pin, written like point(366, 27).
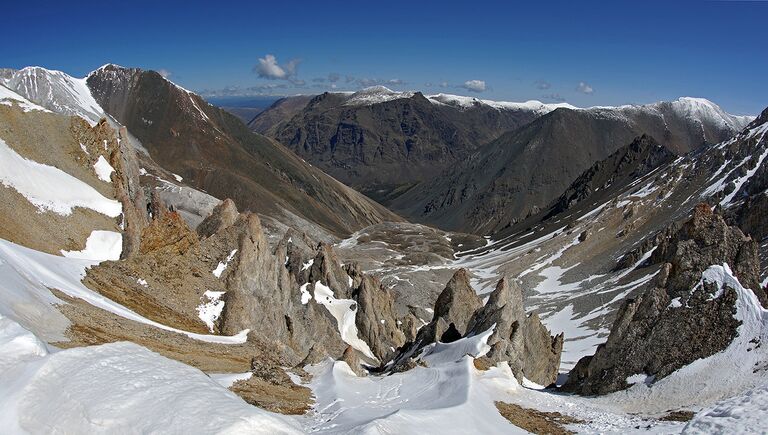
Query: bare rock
point(454, 309)
point(376, 322)
point(676, 320)
point(541, 357)
point(223, 215)
point(167, 233)
point(504, 309)
point(353, 361)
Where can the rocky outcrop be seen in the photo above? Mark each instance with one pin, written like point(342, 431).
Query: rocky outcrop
point(705, 239)
point(262, 296)
point(454, 309)
point(270, 290)
point(505, 311)
point(222, 216)
point(167, 233)
point(680, 317)
point(541, 354)
point(353, 361)
point(376, 322)
point(521, 341)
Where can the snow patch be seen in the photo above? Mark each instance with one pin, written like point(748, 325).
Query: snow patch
point(103, 169)
point(223, 264)
point(100, 246)
point(305, 295)
point(210, 311)
point(344, 310)
point(49, 188)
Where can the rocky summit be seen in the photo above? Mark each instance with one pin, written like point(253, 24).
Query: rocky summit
point(422, 222)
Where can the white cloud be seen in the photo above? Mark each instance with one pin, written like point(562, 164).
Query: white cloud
point(268, 68)
point(165, 73)
point(474, 85)
point(585, 88)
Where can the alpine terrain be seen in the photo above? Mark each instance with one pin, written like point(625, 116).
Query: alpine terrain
point(383, 255)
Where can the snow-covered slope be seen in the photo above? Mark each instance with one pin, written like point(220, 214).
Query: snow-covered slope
point(56, 91)
point(375, 95)
point(49, 188)
point(697, 109)
point(463, 102)
point(9, 97)
point(115, 388)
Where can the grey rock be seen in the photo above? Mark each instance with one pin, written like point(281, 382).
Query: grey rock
point(521, 341)
point(454, 309)
point(352, 359)
point(222, 216)
point(541, 357)
point(653, 337)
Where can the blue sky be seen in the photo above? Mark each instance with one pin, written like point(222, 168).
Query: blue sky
point(585, 53)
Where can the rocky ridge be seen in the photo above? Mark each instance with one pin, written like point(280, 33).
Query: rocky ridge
point(679, 318)
point(517, 339)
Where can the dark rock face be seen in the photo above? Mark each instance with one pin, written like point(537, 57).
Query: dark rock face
point(383, 148)
point(280, 112)
point(629, 162)
point(676, 320)
point(520, 340)
point(527, 169)
point(217, 153)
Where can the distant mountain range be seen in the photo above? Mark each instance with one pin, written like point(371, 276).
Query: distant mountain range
point(462, 163)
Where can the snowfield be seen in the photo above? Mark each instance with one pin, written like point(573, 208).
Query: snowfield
point(115, 388)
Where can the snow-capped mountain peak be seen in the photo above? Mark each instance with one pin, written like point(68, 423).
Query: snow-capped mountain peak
point(703, 109)
point(56, 91)
point(375, 95)
point(463, 102)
